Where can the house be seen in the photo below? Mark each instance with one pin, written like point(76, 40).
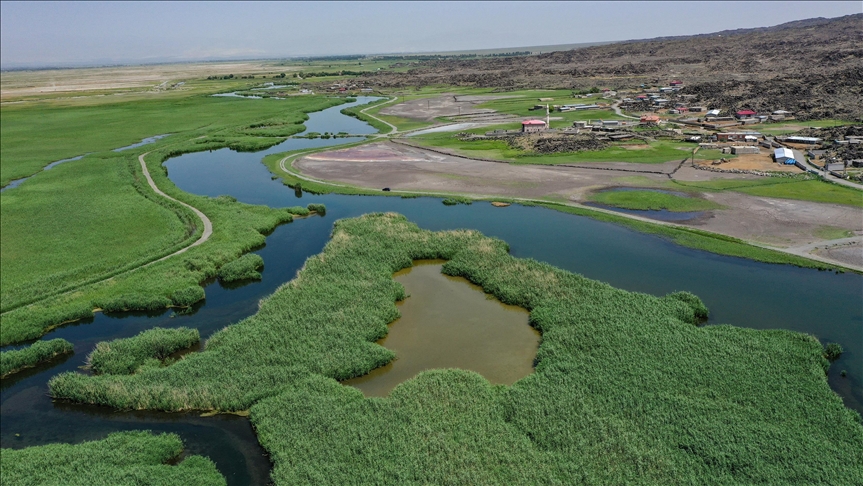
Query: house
point(713, 112)
point(804, 140)
point(783, 155)
point(745, 113)
point(530, 126)
point(650, 119)
point(737, 136)
point(676, 82)
point(746, 149)
point(696, 109)
point(782, 112)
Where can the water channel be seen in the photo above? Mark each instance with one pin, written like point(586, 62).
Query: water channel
point(737, 291)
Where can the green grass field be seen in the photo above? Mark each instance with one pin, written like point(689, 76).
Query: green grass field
point(34, 134)
point(627, 387)
point(652, 200)
point(121, 459)
point(800, 188)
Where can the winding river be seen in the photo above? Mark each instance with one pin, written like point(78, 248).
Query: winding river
point(737, 291)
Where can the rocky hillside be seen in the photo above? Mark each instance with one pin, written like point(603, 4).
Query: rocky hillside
point(812, 67)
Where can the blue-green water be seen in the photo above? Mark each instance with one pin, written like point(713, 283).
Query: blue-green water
point(737, 291)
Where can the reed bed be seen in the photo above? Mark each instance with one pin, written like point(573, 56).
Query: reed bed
point(38, 352)
point(121, 459)
point(125, 356)
point(627, 388)
point(244, 268)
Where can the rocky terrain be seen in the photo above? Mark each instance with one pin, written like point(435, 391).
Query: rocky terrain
point(813, 68)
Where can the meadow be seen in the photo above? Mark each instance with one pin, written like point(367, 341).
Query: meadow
point(149, 348)
point(627, 387)
point(802, 187)
point(16, 360)
point(121, 459)
point(66, 230)
point(652, 200)
point(237, 229)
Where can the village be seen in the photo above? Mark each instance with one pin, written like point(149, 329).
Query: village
point(663, 111)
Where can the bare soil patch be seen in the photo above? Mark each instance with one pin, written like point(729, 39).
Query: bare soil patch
point(762, 162)
point(780, 222)
point(851, 254)
point(428, 109)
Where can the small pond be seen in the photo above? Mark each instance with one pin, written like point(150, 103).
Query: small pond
point(448, 322)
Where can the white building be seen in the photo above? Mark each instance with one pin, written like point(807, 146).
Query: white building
point(783, 154)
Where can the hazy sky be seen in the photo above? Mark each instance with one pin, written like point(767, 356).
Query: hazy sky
point(66, 33)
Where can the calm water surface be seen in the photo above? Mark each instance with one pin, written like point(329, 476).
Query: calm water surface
point(737, 291)
point(448, 322)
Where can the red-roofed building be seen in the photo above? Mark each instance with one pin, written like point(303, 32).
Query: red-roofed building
point(745, 113)
point(676, 83)
point(532, 126)
point(650, 119)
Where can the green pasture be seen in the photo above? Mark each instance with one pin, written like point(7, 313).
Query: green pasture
point(652, 200)
point(35, 134)
point(121, 459)
point(801, 188)
point(627, 387)
point(791, 126)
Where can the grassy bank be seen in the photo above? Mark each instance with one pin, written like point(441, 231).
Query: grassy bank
point(697, 239)
point(38, 352)
point(121, 459)
point(627, 388)
point(356, 112)
point(82, 222)
point(237, 229)
point(652, 200)
point(244, 268)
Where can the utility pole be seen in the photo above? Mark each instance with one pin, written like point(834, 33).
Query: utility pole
point(547, 118)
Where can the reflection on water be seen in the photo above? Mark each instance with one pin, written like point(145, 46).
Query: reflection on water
point(447, 322)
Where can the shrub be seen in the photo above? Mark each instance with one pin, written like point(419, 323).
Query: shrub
point(126, 356)
point(244, 268)
point(39, 352)
point(188, 296)
point(832, 351)
point(318, 208)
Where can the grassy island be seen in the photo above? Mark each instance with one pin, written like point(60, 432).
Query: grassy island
point(39, 352)
point(652, 200)
point(627, 387)
point(121, 459)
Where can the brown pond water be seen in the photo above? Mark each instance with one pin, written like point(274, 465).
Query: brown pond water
point(448, 322)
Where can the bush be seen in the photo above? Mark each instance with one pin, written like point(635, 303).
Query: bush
point(317, 208)
point(452, 201)
point(125, 356)
point(188, 296)
point(244, 268)
point(39, 352)
point(129, 302)
point(832, 351)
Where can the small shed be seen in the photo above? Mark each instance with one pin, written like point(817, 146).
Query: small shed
point(650, 119)
point(782, 155)
point(805, 140)
point(529, 126)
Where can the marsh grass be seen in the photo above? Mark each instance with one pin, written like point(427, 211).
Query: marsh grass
point(244, 268)
point(627, 387)
point(38, 352)
point(121, 459)
point(125, 356)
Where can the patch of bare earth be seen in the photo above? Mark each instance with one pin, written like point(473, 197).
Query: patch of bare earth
point(851, 254)
point(446, 105)
point(779, 222)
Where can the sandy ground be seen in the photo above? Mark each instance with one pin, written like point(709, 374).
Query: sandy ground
point(429, 109)
point(15, 84)
point(846, 253)
point(762, 161)
point(778, 222)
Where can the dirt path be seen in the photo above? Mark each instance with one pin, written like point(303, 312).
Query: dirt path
point(208, 225)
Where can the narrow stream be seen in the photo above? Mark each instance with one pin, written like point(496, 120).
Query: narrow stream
point(737, 291)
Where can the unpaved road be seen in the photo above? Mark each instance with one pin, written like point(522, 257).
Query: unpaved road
point(208, 225)
point(778, 223)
